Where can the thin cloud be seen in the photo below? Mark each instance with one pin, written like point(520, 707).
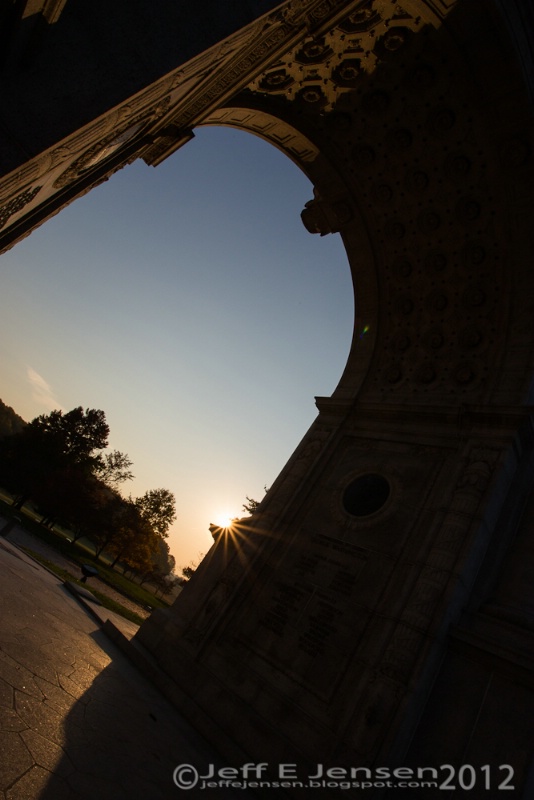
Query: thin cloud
point(42, 392)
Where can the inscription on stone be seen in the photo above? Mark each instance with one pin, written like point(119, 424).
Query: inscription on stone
point(286, 603)
point(314, 600)
point(320, 627)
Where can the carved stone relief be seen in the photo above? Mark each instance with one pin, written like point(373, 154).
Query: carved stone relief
point(22, 178)
point(440, 253)
point(327, 66)
point(15, 205)
point(96, 154)
point(309, 616)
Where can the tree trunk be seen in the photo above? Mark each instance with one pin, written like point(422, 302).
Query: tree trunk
point(100, 550)
point(112, 565)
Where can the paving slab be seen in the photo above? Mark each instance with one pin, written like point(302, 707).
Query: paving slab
point(77, 720)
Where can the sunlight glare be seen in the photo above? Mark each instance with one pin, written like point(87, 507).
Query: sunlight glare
point(224, 519)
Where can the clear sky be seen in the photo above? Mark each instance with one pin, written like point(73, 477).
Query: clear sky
point(191, 305)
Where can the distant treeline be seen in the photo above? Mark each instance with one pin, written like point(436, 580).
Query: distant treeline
point(58, 463)
point(10, 422)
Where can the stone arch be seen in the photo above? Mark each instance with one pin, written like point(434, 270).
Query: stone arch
point(434, 189)
point(414, 120)
point(421, 178)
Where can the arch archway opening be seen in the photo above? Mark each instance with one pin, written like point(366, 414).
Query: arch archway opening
point(132, 310)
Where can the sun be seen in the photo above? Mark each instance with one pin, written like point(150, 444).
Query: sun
point(223, 519)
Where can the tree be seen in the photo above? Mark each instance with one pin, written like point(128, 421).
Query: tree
point(67, 496)
point(73, 436)
point(163, 583)
point(114, 468)
point(188, 572)
point(162, 561)
point(104, 521)
point(10, 422)
point(86, 508)
point(55, 461)
point(48, 446)
point(158, 507)
point(251, 506)
point(130, 534)
point(139, 556)
point(160, 572)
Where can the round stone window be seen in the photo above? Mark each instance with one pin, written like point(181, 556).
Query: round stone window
point(365, 495)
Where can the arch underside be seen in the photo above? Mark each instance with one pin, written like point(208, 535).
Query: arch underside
point(422, 180)
point(330, 627)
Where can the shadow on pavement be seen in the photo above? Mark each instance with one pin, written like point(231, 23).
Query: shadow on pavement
point(123, 740)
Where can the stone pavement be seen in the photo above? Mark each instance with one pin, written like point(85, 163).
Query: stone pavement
point(77, 720)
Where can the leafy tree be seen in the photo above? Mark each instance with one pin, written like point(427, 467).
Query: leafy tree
point(114, 520)
point(86, 508)
point(251, 506)
point(114, 468)
point(10, 422)
point(188, 572)
point(161, 568)
point(55, 461)
point(131, 536)
point(73, 436)
point(49, 445)
point(67, 496)
point(162, 561)
point(158, 507)
point(138, 556)
point(103, 528)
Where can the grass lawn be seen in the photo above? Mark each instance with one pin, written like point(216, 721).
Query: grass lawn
point(80, 554)
point(107, 602)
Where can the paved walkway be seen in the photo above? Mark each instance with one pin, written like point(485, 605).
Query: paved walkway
point(22, 538)
point(77, 720)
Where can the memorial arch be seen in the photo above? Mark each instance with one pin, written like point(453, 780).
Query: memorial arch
point(377, 608)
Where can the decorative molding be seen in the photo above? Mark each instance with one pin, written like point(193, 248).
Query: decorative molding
point(110, 145)
point(328, 64)
point(17, 204)
point(166, 142)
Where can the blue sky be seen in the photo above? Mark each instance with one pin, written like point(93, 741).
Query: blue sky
point(191, 305)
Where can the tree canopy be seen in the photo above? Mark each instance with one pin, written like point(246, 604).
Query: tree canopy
point(114, 468)
point(56, 461)
point(10, 422)
point(69, 438)
point(158, 507)
point(50, 445)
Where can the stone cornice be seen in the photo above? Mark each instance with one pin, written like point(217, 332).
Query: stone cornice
point(158, 120)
